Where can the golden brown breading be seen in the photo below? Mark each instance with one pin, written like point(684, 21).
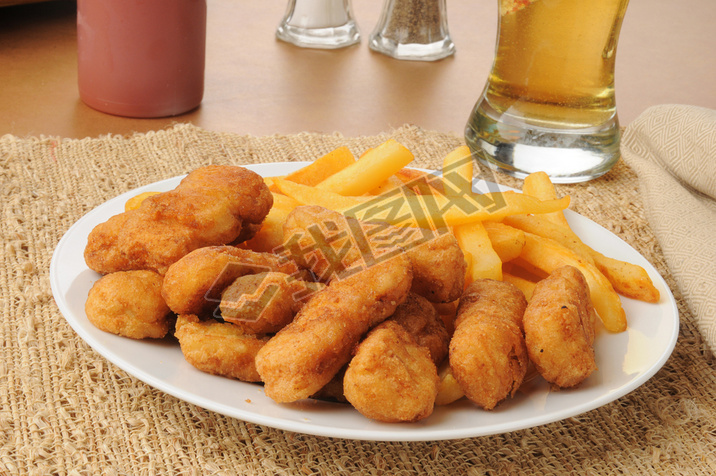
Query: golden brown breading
point(194, 283)
point(306, 354)
point(264, 303)
point(488, 357)
point(219, 348)
point(211, 206)
point(419, 317)
point(328, 242)
point(559, 328)
point(391, 378)
point(129, 304)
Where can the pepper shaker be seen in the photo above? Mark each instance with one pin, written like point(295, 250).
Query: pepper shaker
point(413, 30)
point(324, 24)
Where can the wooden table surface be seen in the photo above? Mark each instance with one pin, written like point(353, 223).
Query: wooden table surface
point(260, 86)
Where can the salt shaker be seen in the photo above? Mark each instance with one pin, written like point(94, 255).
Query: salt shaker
point(324, 24)
point(413, 30)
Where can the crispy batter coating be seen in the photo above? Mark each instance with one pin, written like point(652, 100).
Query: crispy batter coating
point(559, 328)
point(264, 303)
point(211, 206)
point(306, 354)
point(194, 283)
point(219, 348)
point(129, 304)
point(328, 242)
point(391, 378)
point(420, 319)
point(488, 357)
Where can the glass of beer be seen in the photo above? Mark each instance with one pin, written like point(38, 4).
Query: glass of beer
point(549, 101)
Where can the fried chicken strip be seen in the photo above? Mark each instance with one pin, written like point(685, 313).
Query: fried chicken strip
point(559, 328)
point(306, 354)
point(213, 205)
point(488, 357)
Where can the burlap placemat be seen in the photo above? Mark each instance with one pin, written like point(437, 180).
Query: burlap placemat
point(66, 410)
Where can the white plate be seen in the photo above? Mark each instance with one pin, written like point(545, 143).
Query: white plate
point(626, 360)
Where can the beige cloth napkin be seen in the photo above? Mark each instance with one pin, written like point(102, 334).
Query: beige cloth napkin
point(672, 148)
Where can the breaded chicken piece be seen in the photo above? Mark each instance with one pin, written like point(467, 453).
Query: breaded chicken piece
point(264, 303)
point(391, 378)
point(488, 357)
point(194, 283)
point(329, 243)
point(559, 328)
point(219, 348)
point(213, 205)
point(129, 304)
point(420, 319)
point(306, 354)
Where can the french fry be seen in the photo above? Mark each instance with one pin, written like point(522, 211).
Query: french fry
point(134, 202)
point(284, 202)
point(548, 255)
point(437, 211)
point(542, 226)
point(507, 241)
point(526, 286)
point(323, 167)
point(522, 269)
point(628, 279)
point(457, 172)
point(368, 172)
point(448, 389)
point(483, 261)
point(420, 182)
point(539, 185)
point(389, 184)
point(306, 195)
point(426, 211)
point(269, 183)
point(270, 235)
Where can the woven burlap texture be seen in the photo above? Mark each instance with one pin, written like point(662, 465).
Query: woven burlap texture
point(65, 410)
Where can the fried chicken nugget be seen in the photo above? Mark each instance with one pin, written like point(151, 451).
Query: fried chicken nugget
point(421, 320)
point(194, 283)
point(488, 357)
point(306, 354)
point(264, 303)
point(219, 348)
point(559, 328)
point(391, 378)
point(129, 304)
point(211, 206)
point(327, 242)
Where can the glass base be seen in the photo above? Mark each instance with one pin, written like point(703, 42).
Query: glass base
point(566, 154)
point(412, 51)
point(325, 38)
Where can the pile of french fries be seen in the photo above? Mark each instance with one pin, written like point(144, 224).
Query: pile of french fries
point(510, 236)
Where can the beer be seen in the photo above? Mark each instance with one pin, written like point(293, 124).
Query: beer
point(549, 101)
point(552, 68)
